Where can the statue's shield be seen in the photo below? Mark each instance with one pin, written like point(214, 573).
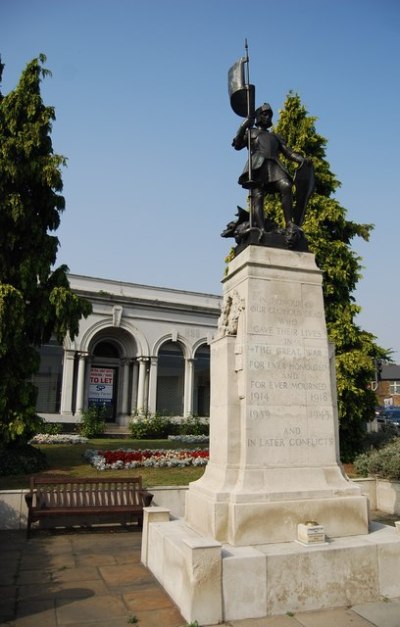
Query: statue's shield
point(304, 181)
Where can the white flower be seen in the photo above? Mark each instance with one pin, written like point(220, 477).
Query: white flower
point(189, 439)
point(46, 438)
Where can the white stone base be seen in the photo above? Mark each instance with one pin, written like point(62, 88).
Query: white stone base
point(261, 519)
point(212, 582)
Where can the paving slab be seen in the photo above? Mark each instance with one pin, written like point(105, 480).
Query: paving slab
point(7, 610)
point(90, 610)
point(78, 573)
point(124, 574)
point(116, 622)
point(147, 599)
point(36, 612)
point(31, 561)
point(169, 617)
point(271, 621)
point(95, 559)
point(384, 614)
point(63, 590)
point(337, 617)
point(96, 579)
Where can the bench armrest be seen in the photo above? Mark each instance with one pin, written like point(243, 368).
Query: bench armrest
point(147, 497)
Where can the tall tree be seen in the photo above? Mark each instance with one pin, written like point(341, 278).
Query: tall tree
point(329, 234)
point(36, 301)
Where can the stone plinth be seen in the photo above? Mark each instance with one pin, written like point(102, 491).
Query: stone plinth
point(274, 525)
point(212, 582)
point(274, 453)
point(188, 565)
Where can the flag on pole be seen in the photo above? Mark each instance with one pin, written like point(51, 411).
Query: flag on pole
point(241, 94)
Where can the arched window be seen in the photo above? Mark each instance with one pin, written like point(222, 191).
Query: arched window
point(170, 380)
point(201, 387)
point(49, 378)
point(106, 349)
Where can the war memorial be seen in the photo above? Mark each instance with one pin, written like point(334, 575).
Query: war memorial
point(274, 524)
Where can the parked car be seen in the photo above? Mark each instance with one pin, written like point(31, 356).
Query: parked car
point(390, 416)
point(378, 411)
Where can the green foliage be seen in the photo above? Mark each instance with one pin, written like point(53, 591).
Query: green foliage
point(35, 299)
point(159, 427)
point(193, 426)
point(93, 422)
point(21, 460)
point(329, 234)
point(361, 463)
point(384, 462)
point(152, 427)
point(51, 428)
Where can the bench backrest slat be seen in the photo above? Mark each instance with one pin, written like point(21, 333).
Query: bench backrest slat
point(64, 492)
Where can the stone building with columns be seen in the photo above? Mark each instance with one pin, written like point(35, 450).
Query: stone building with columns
point(143, 350)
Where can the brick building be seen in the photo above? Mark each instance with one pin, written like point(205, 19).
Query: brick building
point(388, 385)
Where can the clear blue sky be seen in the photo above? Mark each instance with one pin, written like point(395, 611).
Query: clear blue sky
point(140, 92)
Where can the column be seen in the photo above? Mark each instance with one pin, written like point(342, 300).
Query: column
point(125, 387)
point(141, 404)
point(80, 388)
point(152, 397)
point(188, 388)
point(134, 396)
point(146, 388)
point(67, 383)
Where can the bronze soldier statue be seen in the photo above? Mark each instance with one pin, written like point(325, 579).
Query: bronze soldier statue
point(268, 174)
point(264, 172)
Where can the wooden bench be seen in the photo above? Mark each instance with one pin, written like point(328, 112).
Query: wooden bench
point(102, 499)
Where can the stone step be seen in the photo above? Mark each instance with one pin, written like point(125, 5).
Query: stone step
point(116, 430)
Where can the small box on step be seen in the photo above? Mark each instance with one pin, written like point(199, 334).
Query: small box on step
point(310, 532)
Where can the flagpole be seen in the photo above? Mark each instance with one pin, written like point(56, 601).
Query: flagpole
point(247, 84)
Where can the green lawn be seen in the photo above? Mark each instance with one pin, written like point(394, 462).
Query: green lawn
point(68, 459)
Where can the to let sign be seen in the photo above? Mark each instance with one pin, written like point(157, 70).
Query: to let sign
point(101, 385)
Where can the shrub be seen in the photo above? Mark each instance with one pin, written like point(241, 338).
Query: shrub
point(378, 439)
point(152, 428)
point(383, 462)
point(160, 427)
point(193, 426)
point(52, 428)
point(93, 422)
point(21, 460)
point(361, 464)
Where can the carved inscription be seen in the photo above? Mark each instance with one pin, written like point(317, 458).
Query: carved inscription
point(272, 370)
point(288, 399)
point(287, 317)
point(280, 443)
point(301, 442)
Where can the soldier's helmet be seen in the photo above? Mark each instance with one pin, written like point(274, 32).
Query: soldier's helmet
point(265, 108)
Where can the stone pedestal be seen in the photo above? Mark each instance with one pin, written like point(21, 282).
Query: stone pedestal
point(274, 454)
point(274, 466)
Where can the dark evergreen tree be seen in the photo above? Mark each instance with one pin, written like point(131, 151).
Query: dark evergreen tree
point(329, 234)
point(36, 301)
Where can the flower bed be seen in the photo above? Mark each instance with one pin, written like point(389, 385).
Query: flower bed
point(189, 439)
point(125, 459)
point(46, 438)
